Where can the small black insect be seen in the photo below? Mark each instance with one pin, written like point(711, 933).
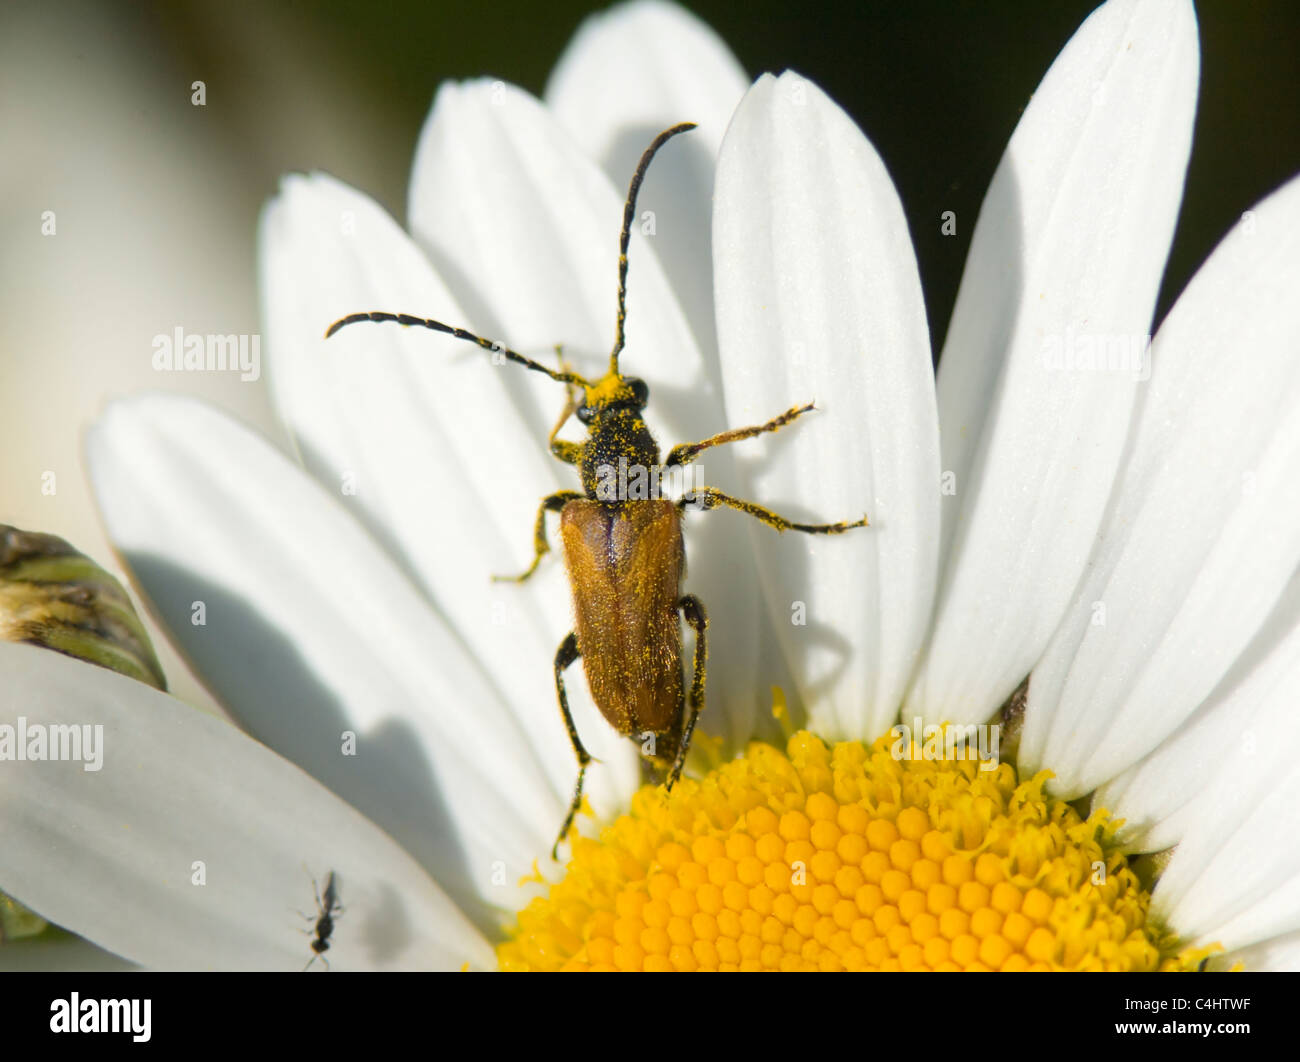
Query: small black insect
point(327, 909)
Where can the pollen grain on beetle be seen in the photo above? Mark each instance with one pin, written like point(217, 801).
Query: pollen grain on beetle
point(847, 857)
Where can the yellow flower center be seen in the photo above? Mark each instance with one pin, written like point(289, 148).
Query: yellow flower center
point(846, 858)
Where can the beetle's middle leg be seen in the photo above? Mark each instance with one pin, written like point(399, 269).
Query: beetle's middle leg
point(693, 613)
point(564, 657)
point(705, 498)
point(551, 503)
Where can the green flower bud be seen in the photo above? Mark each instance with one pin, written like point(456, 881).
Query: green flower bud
point(55, 597)
point(16, 922)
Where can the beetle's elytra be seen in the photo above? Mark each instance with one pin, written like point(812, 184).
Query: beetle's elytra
point(625, 556)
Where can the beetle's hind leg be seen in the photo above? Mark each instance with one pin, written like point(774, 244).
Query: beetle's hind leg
point(551, 503)
point(694, 614)
point(705, 498)
point(567, 654)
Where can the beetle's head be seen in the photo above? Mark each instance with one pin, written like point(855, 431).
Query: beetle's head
point(611, 392)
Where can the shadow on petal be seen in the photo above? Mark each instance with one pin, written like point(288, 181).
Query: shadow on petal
point(248, 659)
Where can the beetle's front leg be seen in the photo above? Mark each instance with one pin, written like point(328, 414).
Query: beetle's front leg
point(568, 452)
point(551, 503)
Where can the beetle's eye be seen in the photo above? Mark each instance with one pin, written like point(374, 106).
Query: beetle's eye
point(584, 413)
point(640, 391)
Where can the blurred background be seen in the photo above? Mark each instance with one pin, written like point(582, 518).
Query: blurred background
point(155, 200)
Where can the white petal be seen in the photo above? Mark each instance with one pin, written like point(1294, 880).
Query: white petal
point(423, 436)
point(628, 73)
point(524, 229)
point(529, 244)
point(1066, 256)
point(116, 854)
point(1231, 751)
point(1203, 533)
point(818, 297)
point(1236, 880)
point(310, 633)
point(1277, 953)
point(637, 68)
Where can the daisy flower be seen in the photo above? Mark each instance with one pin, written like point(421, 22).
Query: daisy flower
point(1079, 538)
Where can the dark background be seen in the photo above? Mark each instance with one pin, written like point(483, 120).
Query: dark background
point(937, 86)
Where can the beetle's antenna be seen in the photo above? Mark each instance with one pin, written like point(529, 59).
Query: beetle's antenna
point(629, 212)
point(460, 333)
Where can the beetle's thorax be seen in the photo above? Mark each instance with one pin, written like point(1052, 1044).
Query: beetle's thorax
point(619, 439)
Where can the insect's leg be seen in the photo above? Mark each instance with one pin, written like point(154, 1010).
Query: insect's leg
point(685, 453)
point(704, 498)
point(312, 918)
point(568, 452)
point(565, 450)
point(694, 614)
point(552, 503)
point(567, 654)
point(572, 391)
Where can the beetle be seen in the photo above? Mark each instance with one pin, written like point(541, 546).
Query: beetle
point(328, 909)
point(625, 556)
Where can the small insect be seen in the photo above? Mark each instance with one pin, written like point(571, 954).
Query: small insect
point(328, 909)
point(624, 555)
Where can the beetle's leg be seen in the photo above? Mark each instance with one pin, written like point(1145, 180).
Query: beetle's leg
point(568, 452)
point(694, 614)
point(685, 453)
point(704, 498)
point(563, 449)
point(552, 503)
point(572, 391)
point(567, 654)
